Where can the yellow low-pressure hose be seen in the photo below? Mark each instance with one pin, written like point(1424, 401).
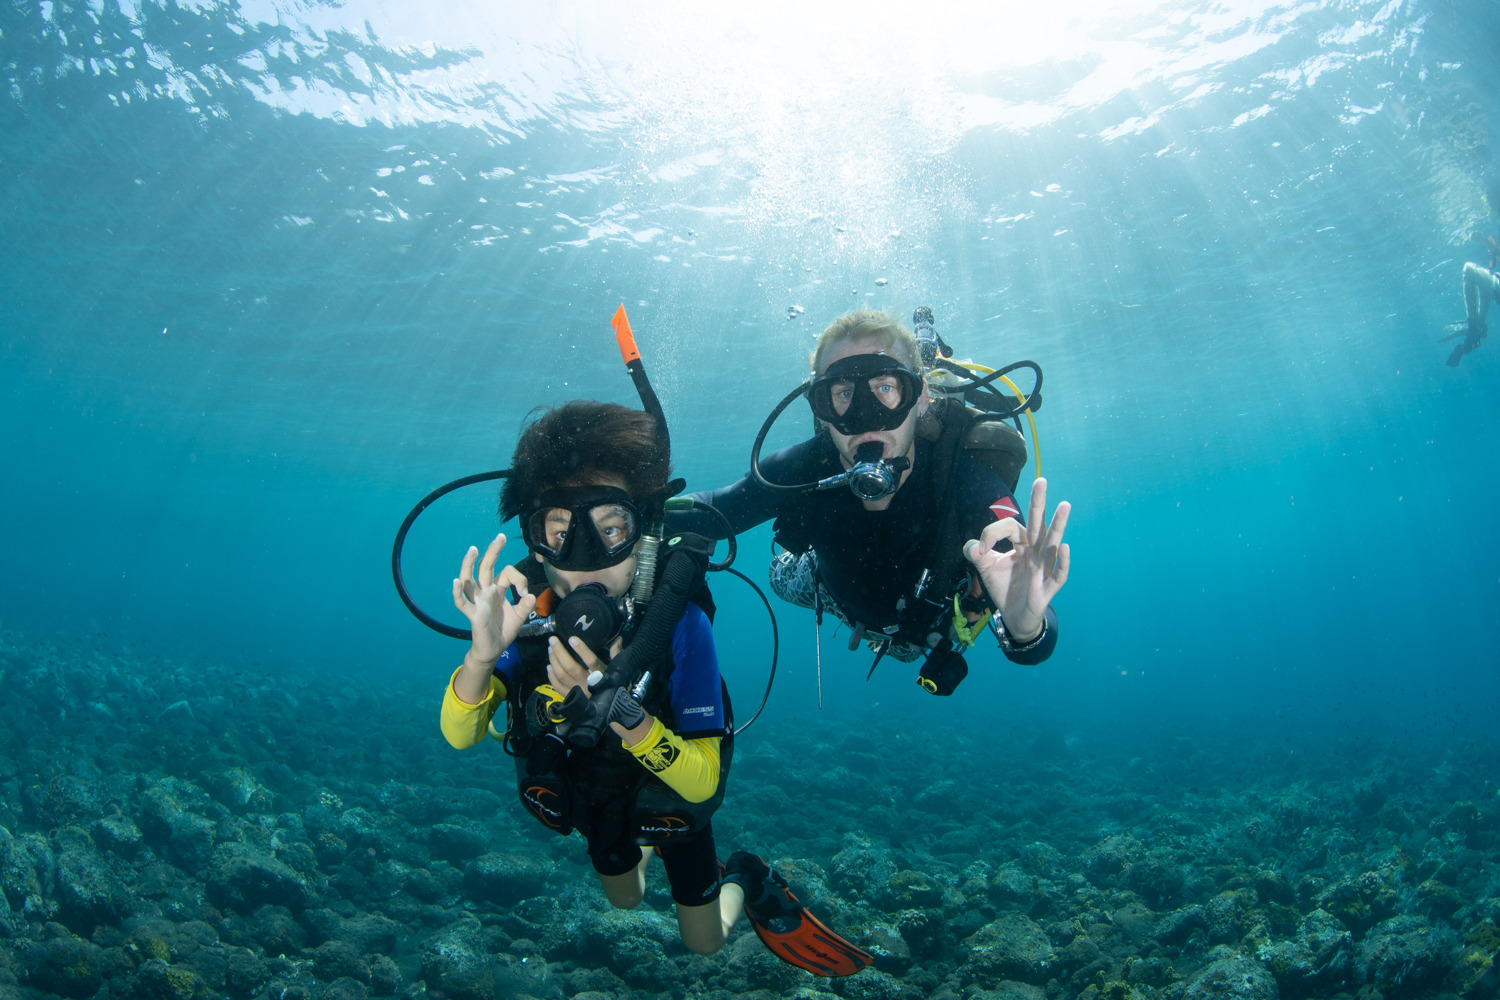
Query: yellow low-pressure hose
point(1036, 447)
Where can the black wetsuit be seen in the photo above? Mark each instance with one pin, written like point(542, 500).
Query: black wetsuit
point(870, 561)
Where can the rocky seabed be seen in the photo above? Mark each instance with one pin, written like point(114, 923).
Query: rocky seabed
point(185, 832)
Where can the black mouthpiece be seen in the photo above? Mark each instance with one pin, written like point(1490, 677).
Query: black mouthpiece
point(870, 451)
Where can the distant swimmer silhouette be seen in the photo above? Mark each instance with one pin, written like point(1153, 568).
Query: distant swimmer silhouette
point(1481, 285)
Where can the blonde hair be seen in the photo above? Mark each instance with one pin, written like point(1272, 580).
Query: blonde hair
point(867, 324)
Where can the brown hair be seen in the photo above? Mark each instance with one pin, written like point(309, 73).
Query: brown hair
point(867, 324)
point(578, 443)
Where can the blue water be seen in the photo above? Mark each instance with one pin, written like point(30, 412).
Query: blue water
point(275, 270)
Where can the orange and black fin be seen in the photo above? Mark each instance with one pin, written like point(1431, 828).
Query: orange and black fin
point(783, 923)
point(813, 947)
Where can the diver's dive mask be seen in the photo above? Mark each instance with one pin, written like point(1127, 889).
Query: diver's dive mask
point(865, 392)
point(583, 528)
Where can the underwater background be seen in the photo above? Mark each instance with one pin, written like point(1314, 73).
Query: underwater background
point(272, 271)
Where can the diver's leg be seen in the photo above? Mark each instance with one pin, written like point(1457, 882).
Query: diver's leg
point(622, 874)
point(793, 578)
point(1478, 291)
point(707, 909)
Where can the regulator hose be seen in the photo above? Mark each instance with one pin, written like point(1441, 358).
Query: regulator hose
point(423, 504)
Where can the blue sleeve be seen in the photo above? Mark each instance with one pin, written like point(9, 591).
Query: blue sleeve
point(694, 691)
point(506, 667)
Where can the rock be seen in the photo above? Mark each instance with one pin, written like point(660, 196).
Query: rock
point(423, 885)
point(273, 928)
point(1235, 978)
point(155, 980)
point(385, 975)
point(367, 932)
point(892, 953)
point(244, 973)
point(27, 866)
point(455, 842)
point(1317, 959)
point(1475, 974)
point(1010, 990)
point(1011, 886)
point(871, 984)
point(455, 964)
point(118, 833)
point(1227, 915)
point(346, 989)
point(165, 819)
point(1012, 947)
point(237, 789)
point(339, 959)
point(1176, 927)
point(1404, 955)
point(1232, 979)
point(244, 878)
point(65, 965)
point(504, 878)
point(860, 869)
point(908, 889)
point(88, 893)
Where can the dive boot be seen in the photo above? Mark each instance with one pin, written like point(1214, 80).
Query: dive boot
point(793, 935)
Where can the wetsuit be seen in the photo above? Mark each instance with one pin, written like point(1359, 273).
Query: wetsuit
point(679, 757)
point(869, 562)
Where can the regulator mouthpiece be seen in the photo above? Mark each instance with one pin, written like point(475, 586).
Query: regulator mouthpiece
point(871, 477)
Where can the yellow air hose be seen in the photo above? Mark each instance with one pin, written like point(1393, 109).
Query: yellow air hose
point(1036, 447)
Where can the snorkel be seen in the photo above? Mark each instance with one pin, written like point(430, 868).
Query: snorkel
point(645, 552)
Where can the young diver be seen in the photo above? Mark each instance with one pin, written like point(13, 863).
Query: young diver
point(586, 479)
point(892, 566)
point(1481, 285)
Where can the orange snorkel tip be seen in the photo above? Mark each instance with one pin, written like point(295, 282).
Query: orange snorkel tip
point(623, 337)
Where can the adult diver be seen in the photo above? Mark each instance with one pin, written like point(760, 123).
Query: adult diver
point(927, 544)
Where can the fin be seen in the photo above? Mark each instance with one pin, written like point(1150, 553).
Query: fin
point(790, 932)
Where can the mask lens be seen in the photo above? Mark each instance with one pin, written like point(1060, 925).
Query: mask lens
point(889, 390)
point(549, 526)
point(840, 395)
point(616, 526)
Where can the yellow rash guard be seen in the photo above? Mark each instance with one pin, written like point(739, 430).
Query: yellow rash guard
point(689, 767)
point(463, 724)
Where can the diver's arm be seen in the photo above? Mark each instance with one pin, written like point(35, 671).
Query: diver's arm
point(1030, 656)
point(465, 724)
point(746, 502)
point(1023, 581)
point(493, 621)
point(689, 767)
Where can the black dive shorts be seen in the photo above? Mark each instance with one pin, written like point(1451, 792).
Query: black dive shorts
point(692, 866)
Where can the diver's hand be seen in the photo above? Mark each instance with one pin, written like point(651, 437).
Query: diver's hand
point(1023, 581)
point(569, 667)
point(493, 620)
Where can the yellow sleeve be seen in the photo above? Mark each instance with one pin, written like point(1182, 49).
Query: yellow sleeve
point(463, 724)
point(689, 767)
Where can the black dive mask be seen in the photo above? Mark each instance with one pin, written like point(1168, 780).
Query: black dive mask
point(864, 393)
point(583, 528)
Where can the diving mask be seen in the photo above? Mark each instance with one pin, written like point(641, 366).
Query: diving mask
point(864, 393)
point(583, 528)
